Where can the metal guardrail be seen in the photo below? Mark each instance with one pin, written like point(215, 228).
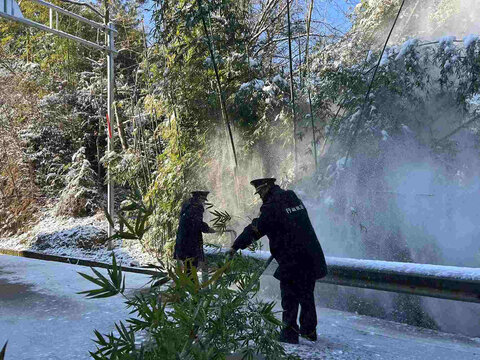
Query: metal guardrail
point(444, 282)
point(72, 261)
point(108, 28)
point(73, 15)
point(53, 31)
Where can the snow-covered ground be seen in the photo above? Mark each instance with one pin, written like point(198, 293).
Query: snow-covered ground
point(71, 237)
point(349, 336)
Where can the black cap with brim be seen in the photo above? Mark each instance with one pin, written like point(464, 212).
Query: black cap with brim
point(260, 183)
point(200, 194)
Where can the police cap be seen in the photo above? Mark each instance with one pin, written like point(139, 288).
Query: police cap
point(200, 194)
point(260, 183)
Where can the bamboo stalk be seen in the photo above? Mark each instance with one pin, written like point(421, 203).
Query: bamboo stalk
point(292, 93)
point(219, 85)
point(307, 71)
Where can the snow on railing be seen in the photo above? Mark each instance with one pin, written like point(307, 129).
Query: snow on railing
point(446, 282)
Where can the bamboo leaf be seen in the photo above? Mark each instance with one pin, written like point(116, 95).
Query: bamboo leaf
point(91, 279)
point(125, 222)
point(109, 218)
point(127, 236)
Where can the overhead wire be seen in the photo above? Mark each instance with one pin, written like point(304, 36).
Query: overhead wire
point(357, 127)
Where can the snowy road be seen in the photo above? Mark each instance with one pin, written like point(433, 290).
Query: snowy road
point(43, 318)
point(41, 315)
point(348, 336)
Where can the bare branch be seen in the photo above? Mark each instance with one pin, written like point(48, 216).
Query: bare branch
point(272, 41)
point(261, 31)
point(90, 6)
point(263, 17)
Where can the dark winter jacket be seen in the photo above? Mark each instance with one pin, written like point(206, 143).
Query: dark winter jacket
point(189, 242)
point(293, 242)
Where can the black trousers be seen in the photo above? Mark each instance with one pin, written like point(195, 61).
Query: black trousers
point(298, 293)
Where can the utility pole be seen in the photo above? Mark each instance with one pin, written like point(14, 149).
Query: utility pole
point(109, 41)
point(110, 99)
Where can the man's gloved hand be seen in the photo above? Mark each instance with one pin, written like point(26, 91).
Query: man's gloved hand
point(230, 253)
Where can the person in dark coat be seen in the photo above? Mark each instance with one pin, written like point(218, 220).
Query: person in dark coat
point(189, 241)
point(294, 244)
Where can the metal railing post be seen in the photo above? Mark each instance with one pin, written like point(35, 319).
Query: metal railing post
point(110, 137)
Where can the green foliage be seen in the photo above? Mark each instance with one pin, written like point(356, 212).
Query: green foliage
point(407, 79)
point(185, 318)
point(175, 177)
point(107, 287)
point(139, 211)
point(220, 220)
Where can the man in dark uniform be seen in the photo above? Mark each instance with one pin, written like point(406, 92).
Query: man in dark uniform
point(294, 244)
point(189, 241)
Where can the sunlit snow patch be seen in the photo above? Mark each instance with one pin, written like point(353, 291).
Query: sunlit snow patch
point(469, 40)
point(407, 46)
point(473, 102)
point(256, 83)
point(446, 40)
point(384, 135)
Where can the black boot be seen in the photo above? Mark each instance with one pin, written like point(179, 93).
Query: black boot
point(312, 335)
point(288, 336)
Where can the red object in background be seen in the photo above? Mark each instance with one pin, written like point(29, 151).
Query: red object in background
point(109, 127)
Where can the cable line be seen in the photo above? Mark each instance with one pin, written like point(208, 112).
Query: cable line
point(352, 142)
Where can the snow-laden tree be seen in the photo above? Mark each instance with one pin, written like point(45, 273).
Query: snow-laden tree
point(80, 196)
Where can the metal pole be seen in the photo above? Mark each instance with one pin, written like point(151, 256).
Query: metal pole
point(110, 80)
